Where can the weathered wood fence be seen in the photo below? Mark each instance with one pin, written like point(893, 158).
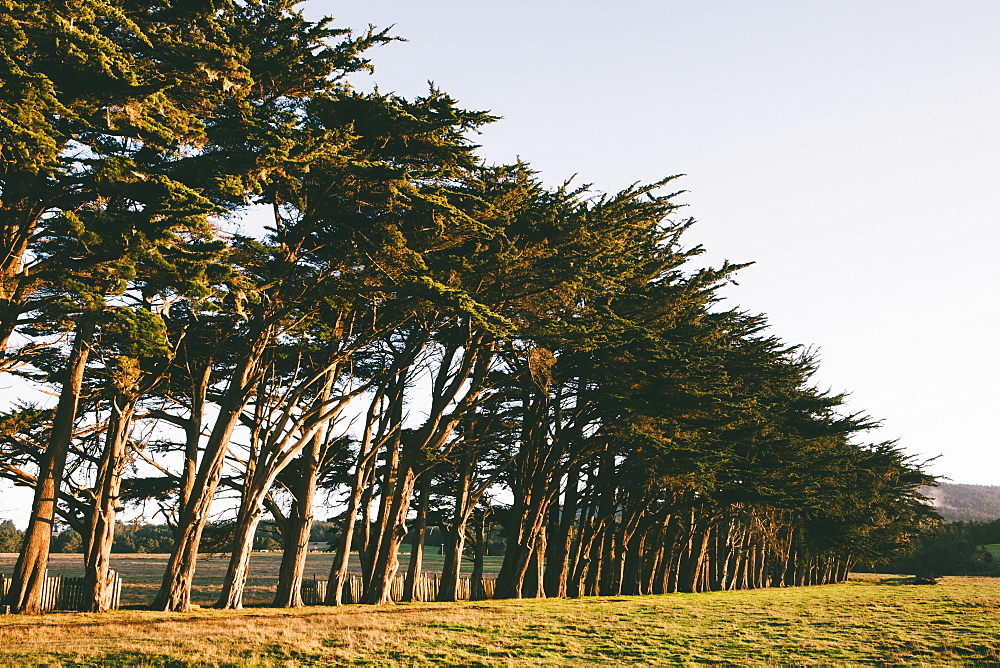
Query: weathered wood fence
point(424, 589)
point(59, 593)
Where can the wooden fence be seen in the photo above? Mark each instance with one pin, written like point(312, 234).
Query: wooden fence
point(424, 589)
point(59, 593)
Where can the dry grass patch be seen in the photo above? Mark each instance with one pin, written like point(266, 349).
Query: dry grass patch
point(865, 621)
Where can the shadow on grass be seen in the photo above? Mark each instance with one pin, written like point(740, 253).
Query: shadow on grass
point(907, 580)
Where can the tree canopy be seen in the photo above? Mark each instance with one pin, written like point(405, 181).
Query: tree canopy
point(415, 336)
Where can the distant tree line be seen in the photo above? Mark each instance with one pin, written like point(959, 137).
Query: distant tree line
point(955, 548)
point(10, 536)
point(965, 503)
point(417, 338)
point(132, 538)
point(136, 538)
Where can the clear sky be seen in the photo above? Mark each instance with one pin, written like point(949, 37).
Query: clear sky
point(851, 149)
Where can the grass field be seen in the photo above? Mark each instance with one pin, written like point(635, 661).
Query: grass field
point(142, 573)
point(869, 620)
point(994, 551)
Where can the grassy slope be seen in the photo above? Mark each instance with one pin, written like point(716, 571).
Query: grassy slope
point(865, 621)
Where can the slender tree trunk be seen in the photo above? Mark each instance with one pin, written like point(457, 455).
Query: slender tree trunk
point(298, 529)
point(200, 380)
point(373, 544)
point(379, 590)
point(359, 497)
point(691, 569)
point(454, 542)
point(276, 451)
point(175, 590)
point(667, 574)
point(25, 595)
point(338, 570)
point(534, 580)
point(234, 582)
point(390, 483)
point(580, 550)
point(560, 533)
point(521, 543)
point(681, 551)
point(419, 536)
point(455, 535)
point(631, 556)
point(101, 525)
point(365, 543)
point(595, 555)
point(718, 554)
point(655, 568)
point(477, 590)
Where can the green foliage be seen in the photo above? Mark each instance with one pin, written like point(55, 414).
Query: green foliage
point(10, 537)
point(68, 540)
point(563, 335)
point(142, 538)
point(956, 548)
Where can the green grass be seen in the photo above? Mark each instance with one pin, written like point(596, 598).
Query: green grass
point(142, 573)
point(870, 620)
point(994, 551)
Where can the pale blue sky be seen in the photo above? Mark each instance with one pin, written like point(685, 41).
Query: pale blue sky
point(851, 149)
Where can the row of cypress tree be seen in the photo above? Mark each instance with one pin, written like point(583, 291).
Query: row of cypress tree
point(415, 331)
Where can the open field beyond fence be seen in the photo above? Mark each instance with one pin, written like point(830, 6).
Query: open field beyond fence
point(869, 620)
point(141, 573)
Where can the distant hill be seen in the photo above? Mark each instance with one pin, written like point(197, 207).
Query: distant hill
point(965, 503)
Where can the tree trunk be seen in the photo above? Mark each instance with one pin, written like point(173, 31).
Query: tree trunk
point(235, 580)
point(360, 497)
point(691, 568)
point(455, 535)
point(200, 381)
point(97, 585)
point(530, 519)
point(534, 578)
point(419, 536)
point(338, 569)
point(560, 533)
point(580, 550)
point(451, 570)
point(295, 541)
point(477, 590)
point(175, 590)
point(25, 595)
point(393, 530)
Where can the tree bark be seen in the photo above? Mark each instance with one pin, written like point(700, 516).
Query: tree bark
point(298, 528)
point(234, 582)
point(25, 595)
point(101, 524)
point(386, 564)
point(477, 589)
point(358, 498)
point(175, 590)
point(419, 536)
point(560, 532)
